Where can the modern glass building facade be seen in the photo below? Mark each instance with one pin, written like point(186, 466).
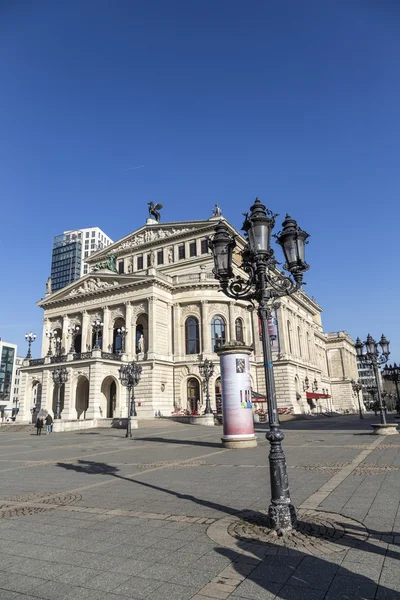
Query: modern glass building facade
point(66, 260)
point(8, 354)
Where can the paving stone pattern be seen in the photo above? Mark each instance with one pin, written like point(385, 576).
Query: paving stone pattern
point(93, 515)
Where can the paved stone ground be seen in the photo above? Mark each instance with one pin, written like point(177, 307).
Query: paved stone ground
point(93, 515)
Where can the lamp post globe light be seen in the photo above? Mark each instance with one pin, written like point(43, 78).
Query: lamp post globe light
point(60, 376)
point(129, 376)
point(207, 371)
point(97, 327)
point(372, 357)
point(392, 373)
point(50, 334)
point(73, 330)
point(357, 387)
point(30, 338)
point(264, 283)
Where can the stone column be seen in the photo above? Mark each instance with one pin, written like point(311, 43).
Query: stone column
point(86, 330)
point(65, 338)
point(68, 410)
point(95, 379)
point(47, 391)
point(152, 327)
point(232, 333)
point(177, 330)
point(106, 328)
point(45, 341)
point(129, 331)
point(205, 329)
point(170, 332)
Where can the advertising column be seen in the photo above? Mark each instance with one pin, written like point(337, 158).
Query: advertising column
point(237, 413)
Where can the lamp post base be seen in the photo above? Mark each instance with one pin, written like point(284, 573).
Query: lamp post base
point(385, 429)
point(282, 518)
point(233, 442)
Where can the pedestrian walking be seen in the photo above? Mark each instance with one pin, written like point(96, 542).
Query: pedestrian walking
point(39, 426)
point(49, 424)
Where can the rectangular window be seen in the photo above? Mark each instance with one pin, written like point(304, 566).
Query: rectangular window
point(181, 251)
point(140, 263)
point(121, 266)
point(87, 234)
point(204, 246)
point(160, 257)
point(192, 249)
point(93, 233)
point(86, 253)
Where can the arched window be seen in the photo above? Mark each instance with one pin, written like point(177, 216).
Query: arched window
point(193, 395)
point(218, 328)
point(289, 333)
point(192, 338)
point(299, 336)
point(239, 330)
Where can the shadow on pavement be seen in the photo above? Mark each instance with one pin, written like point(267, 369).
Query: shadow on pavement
point(280, 574)
point(178, 441)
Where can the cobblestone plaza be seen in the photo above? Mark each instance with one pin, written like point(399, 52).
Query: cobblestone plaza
point(165, 516)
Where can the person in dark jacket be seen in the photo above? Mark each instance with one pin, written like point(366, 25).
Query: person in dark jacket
point(49, 424)
point(39, 426)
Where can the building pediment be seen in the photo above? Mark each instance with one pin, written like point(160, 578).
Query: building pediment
point(152, 234)
point(92, 284)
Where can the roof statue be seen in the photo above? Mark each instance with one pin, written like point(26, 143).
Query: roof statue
point(153, 210)
point(110, 263)
point(217, 212)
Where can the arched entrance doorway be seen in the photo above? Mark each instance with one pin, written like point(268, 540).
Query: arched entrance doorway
point(36, 400)
point(54, 404)
point(118, 341)
point(78, 343)
point(109, 391)
point(193, 395)
point(82, 398)
point(218, 396)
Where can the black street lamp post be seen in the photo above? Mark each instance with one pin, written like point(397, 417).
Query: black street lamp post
point(73, 330)
point(30, 338)
point(207, 371)
point(60, 376)
point(129, 376)
point(392, 373)
point(374, 359)
point(357, 387)
point(122, 331)
point(50, 334)
point(97, 327)
point(265, 283)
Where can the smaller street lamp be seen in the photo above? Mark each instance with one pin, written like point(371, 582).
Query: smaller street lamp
point(50, 334)
point(122, 331)
point(306, 384)
point(357, 387)
point(73, 331)
point(392, 373)
point(207, 370)
point(129, 376)
point(58, 346)
point(97, 327)
point(315, 386)
point(60, 376)
point(373, 358)
point(30, 338)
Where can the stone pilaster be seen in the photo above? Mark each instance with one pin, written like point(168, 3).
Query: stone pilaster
point(232, 333)
point(47, 391)
point(152, 334)
point(65, 338)
point(95, 377)
point(205, 329)
point(45, 341)
point(130, 331)
point(106, 328)
point(169, 329)
point(68, 411)
point(177, 330)
point(86, 331)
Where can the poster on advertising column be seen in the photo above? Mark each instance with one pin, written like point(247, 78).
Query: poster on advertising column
point(236, 396)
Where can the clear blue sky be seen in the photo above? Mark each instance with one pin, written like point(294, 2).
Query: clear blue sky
point(221, 101)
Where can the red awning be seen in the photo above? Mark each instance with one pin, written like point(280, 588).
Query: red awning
point(313, 395)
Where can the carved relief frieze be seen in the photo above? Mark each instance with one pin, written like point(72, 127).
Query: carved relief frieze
point(190, 309)
point(217, 308)
point(151, 235)
point(92, 285)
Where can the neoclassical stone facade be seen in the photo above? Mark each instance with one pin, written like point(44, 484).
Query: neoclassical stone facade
point(158, 284)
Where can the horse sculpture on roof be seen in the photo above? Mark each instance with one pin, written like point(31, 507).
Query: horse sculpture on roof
point(153, 210)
